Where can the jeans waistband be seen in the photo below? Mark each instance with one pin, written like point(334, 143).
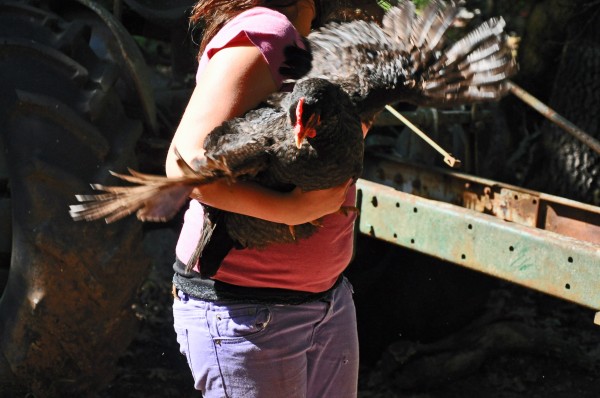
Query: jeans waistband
point(213, 290)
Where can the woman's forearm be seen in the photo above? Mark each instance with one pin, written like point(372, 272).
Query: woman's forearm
point(245, 198)
point(292, 208)
point(226, 90)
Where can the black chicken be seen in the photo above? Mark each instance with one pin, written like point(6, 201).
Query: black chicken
point(408, 59)
point(314, 141)
point(358, 68)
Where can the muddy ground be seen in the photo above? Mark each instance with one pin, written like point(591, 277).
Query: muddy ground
point(520, 344)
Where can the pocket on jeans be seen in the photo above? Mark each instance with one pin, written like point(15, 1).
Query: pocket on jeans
point(241, 322)
point(348, 285)
point(182, 339)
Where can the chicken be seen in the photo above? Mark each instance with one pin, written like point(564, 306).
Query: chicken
point(312, 138)
point(407, 59)
point(312, 141)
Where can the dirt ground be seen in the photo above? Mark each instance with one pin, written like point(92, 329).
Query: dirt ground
point(524, 344)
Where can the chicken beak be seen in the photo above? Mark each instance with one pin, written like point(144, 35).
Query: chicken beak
point(311, 125)
point(309, 130)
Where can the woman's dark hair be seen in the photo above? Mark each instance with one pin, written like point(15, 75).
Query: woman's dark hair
point(212, 15)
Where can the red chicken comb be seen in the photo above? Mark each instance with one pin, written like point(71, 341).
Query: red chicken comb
point(304, 129)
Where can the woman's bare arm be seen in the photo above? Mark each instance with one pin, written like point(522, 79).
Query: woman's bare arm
point(235, 80)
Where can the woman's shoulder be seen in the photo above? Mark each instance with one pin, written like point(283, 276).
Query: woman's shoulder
point(266, 29)
point(262, 19)
point(258, 24)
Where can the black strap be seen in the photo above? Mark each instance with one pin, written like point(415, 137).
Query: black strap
point(214, 243)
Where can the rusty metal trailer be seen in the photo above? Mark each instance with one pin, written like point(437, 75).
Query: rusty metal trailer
point(543, 242)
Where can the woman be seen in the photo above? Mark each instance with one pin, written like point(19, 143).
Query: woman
point(278, 322)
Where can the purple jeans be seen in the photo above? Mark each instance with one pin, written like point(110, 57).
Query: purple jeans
point(271, 351)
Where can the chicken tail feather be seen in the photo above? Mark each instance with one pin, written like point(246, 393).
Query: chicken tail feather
point(153, 197)
point(152, 202)
point(481, 62)
point(440, 74)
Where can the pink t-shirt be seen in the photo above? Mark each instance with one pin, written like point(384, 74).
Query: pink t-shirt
point(309, 265)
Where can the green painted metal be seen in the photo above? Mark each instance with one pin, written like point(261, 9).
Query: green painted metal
point(507, 202)
point(494, 234)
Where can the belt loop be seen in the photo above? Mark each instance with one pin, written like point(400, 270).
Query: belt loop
point(174, 291)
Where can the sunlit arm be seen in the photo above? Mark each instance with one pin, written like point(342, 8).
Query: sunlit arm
point(235, 80)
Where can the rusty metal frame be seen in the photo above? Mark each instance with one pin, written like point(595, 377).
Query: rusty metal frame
point(540, 241)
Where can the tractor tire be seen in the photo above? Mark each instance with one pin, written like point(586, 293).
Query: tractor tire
point(66, 310)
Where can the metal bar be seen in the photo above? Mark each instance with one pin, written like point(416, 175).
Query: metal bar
point(507, 202)
point(542, 260)
point(448, 158)
point(556, 118)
